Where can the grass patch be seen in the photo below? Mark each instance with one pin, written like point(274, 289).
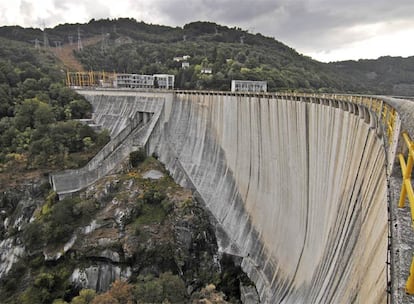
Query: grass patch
point(151, 214)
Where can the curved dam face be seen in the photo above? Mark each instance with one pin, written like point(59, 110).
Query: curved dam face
point(298, 188)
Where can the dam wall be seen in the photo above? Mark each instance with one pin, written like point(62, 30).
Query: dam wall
point(298, 187)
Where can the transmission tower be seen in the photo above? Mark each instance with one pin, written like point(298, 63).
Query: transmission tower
point(241, 39)
point(58, 45)
point(80, 46)
point(70, 38)
point(45, 39)
point(103, 41)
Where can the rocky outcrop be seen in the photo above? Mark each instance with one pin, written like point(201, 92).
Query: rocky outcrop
point(16, 210)
point(139, 224)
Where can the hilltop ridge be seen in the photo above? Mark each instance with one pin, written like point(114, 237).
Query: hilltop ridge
point(125, 45)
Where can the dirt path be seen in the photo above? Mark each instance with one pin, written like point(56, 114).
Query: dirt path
point(67, 57)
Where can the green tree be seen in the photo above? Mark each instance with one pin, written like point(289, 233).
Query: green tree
point(43, 115)
point(85, 296)
point(80, 108)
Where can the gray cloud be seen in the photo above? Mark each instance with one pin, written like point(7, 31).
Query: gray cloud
point(312, 25)
point(227, 11)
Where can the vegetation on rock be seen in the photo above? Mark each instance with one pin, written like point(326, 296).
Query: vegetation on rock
point(152, 227)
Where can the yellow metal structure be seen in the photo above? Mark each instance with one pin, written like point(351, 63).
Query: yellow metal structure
point(406, 169)
point(407, 191)
point(90, 79)
point(409, 287)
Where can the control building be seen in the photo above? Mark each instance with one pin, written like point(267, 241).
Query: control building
point(248, 86)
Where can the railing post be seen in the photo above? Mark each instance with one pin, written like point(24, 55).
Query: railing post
point(409, 287)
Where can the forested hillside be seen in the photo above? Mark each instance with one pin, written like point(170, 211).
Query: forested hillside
point(38, 126)
point(126, 45)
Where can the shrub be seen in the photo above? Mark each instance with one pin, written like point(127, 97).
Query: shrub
point(137, 157)
point(120, 293)
point(167, 287)
point(85, 296)
point(45, 188)
point(154, 196)
point(45, 280)
point(33, 235)
point(103, 138)
point(167, 205)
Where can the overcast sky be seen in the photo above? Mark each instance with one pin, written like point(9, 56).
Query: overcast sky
point(327, 30)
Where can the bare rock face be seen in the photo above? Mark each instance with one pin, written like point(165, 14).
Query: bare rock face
point(153, 174)
point(16, 210)
point(128, 226)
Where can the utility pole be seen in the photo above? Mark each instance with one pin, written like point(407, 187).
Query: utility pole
point(103, 41)
point(45, 39)
point(37, 44)
point(80, 46)
point(58, 45)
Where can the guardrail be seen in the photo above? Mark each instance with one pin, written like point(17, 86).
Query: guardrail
point(407, 191)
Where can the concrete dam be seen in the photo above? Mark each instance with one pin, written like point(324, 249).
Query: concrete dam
point(297, 185)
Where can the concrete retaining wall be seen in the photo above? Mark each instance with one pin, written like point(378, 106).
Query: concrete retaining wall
point(138, 116)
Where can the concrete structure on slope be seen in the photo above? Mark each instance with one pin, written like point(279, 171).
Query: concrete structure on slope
point(159, 81)
point(248, 86)
point(297, 185)
point(164, 81)
point(134, 81)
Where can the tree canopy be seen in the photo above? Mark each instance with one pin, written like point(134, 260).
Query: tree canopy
point(37, 112)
